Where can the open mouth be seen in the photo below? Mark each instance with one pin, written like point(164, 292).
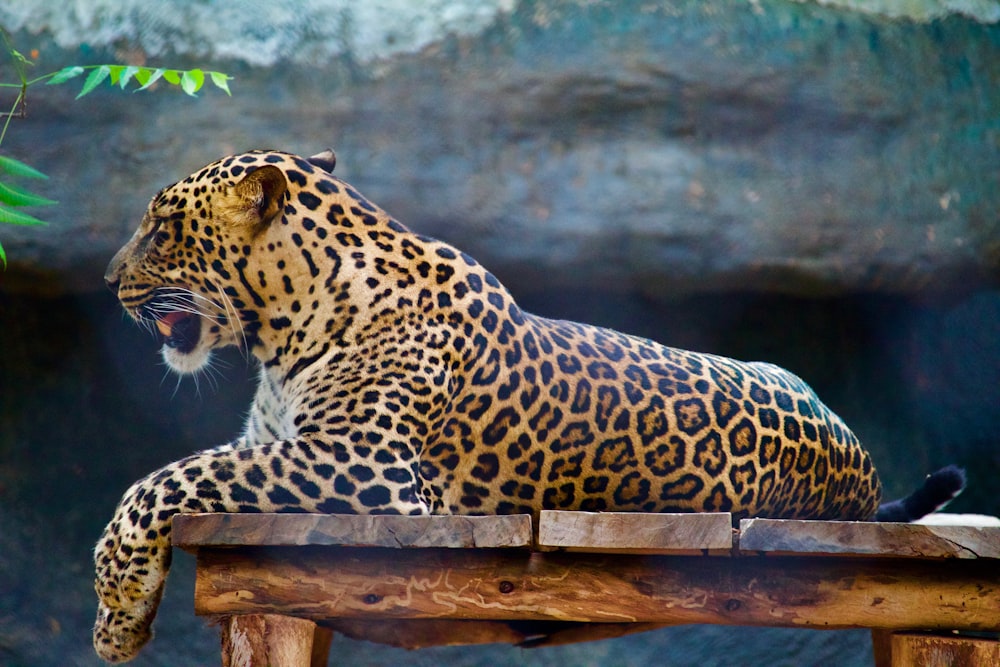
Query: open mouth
point(178, 330)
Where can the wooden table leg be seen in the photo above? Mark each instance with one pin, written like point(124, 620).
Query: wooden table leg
point(904, 649)
point(882, 647)
point(268, 640)
point(322, 638)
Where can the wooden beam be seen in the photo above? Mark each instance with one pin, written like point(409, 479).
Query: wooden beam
point(191, 531)
point(852, 538)
point(327, 583)
point(421, 633)
point(634, 533)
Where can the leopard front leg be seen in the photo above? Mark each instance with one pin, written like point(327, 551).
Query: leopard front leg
point(133, 555)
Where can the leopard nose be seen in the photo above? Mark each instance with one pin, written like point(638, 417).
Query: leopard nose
point(112, 275)
point(111, 278)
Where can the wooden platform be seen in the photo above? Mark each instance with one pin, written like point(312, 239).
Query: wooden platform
point(291, 579)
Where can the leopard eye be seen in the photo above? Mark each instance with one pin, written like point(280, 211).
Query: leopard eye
point(154, 231)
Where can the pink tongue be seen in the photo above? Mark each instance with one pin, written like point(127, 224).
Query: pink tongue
point(166, 323)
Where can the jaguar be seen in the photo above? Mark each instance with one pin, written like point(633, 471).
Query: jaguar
point(398, 375)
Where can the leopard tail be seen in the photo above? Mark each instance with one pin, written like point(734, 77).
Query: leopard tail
point(939, 489)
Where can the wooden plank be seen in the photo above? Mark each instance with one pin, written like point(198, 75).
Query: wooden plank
point(949, 650)
point(853, 538)
point(191, 531)
point(324, 583)
point(631, 532)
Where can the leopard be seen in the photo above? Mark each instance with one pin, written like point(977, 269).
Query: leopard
point(397, 375)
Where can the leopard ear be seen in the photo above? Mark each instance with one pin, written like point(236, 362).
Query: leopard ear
point(327, 160)
point(258, 198)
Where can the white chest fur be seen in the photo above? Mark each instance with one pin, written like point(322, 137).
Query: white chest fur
point(272, 416)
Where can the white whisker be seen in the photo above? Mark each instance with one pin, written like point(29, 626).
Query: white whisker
point(197, 383)
point(234, 321)
point(213, 373)
point(177, 383)
point(218, 315)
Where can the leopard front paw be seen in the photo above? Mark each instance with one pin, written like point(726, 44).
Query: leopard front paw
point(131, 562)
point(120, 633)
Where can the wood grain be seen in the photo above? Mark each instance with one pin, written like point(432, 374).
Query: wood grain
point(629, 532)
point(267, 639)
point(851, 538)
point(191, 531)
point(325, 583)
point(943, 651)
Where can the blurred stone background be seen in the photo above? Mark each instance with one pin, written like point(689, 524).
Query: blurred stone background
point(806, 183)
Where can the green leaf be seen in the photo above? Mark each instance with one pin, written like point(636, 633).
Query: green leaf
point(64, 75)
point(116, 72)
point(127, 75)
point(220, 79)
point(94, 79)
point(9, 165)
point(192, 81)
point(19, 57)
point(142, 75)
point(148, 77)
point(15, 196)
point(172, 76)
point(3, 256)
point(17, 218)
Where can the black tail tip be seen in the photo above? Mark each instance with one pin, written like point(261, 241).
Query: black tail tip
point(947, 483)
point(939, 489)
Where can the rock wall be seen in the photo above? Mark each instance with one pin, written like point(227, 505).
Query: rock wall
point(686, 146)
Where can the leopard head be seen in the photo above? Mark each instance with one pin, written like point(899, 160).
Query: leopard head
point(191, 273)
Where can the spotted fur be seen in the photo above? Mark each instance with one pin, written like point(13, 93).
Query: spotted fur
point(397, 375)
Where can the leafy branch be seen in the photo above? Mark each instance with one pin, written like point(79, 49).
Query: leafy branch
point(141, 78)
point(190, 80)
